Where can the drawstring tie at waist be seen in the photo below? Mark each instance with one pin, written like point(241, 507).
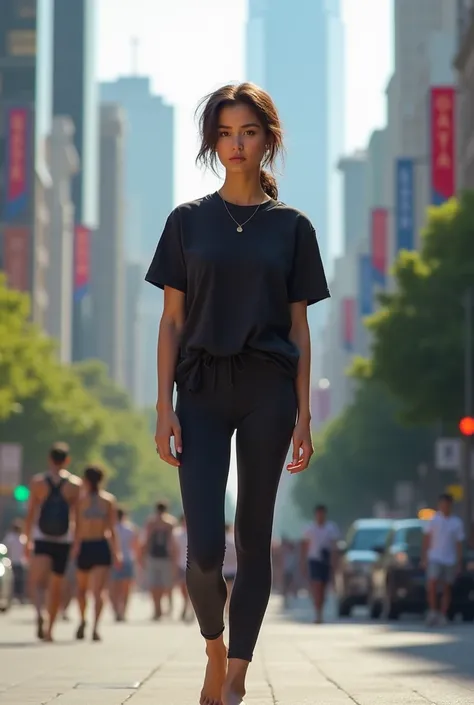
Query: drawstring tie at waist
point(189, 371)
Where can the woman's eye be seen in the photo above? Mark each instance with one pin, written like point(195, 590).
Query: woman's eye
point(223, 134)
point(250, 132)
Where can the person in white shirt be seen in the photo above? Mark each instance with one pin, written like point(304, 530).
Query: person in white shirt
point(319, 550)
point(229, 569)
point(442, 556)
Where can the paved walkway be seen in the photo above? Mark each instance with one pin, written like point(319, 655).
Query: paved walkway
point(297, 663)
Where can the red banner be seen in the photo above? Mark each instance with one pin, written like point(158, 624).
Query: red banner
point(348, 323)
point(82, 238)
point(443, 160)
point(17, 133)
point(16, 256)
point(379, 245)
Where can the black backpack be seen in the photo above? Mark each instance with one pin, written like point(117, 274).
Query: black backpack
point(54, 514)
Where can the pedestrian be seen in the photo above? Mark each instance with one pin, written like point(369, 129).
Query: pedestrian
point(442, 557)
point(49, 534)
point(121, 578)
point(15, 541)
point(320, 551)
point(159, 556)
point(238, 268)
point(96, 546)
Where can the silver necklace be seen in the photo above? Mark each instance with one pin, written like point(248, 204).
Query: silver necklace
point(240, 226)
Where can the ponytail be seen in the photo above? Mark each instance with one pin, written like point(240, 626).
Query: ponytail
point(268, 184)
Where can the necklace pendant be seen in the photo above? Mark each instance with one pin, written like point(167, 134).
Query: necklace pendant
point(240, 229)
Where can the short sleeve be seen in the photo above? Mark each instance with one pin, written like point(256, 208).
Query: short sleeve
point(460, 536)
point(168, 267)
point(307, 280)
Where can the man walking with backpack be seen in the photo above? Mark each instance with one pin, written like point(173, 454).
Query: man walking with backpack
point(49, 533)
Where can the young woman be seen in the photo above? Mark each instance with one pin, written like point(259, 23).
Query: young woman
point(238, 268)
point(95, 545)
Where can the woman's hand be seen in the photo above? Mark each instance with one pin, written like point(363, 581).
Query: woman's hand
point(302, 447)
point(167, 425)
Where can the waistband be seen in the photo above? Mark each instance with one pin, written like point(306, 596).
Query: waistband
point(189, 371)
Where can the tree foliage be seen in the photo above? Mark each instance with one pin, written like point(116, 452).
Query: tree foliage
point(361, 455)
point(42, 401)
point(419, 331)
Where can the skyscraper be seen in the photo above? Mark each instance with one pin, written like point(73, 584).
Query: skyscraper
point(295, 52)
point(149, 180)
point(75, 94)
point(107, 260)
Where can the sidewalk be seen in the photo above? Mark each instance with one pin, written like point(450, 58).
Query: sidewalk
point(297, 663)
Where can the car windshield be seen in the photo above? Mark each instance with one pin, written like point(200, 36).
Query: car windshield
point(368, 539)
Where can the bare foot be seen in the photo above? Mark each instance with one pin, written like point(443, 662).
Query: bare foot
point(216, 671)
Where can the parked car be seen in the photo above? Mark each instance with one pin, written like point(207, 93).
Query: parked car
point(6, 579)
point(398, 582)
point(365, 540)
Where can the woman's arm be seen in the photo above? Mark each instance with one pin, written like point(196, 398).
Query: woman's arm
point(112, 528)
point(299, 334)
point(171, 326)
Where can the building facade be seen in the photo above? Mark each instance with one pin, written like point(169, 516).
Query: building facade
point(149, 193)
point(75, 93)
point(465, 68)
point(107, 251)
point(64, 164)
point(24, 179)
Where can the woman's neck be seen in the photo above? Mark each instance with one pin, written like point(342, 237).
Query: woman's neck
point(242, 190)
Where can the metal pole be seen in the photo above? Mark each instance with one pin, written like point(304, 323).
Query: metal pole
point(468, 394)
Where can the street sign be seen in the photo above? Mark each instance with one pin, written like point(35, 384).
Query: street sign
point(11, 461)
point(448, 453)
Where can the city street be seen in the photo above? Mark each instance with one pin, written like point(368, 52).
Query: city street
point(297, 663)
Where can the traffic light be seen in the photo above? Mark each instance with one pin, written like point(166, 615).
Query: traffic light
point(21, 493)
point(466, 426)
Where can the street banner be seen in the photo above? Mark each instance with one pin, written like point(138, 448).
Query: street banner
point(443, 162)
point(17, 256)
point(405, 205)
point(82, 244)
point(379, 245)
point(366, 293)
point(17, 168)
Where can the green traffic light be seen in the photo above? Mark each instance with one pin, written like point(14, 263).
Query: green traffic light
point(21, 493)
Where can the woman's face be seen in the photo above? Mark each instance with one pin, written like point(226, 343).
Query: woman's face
point(241, 139)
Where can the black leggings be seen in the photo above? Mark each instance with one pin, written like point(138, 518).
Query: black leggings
point(257, 400)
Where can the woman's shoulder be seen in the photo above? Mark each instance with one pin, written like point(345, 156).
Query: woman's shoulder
point(297, 216)
point(190, 207)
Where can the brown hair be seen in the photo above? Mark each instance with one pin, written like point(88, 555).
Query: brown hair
point(94, 475)
point(261, 103)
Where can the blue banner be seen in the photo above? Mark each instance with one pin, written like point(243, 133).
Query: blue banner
point(366, 281)
point(405, 205)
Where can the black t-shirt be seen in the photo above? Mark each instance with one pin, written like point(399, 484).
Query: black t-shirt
point(238, 286)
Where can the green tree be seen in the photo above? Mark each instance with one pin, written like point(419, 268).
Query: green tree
point(361, 455)
point(139, 476)
point(41, 401)
point(418, 333)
